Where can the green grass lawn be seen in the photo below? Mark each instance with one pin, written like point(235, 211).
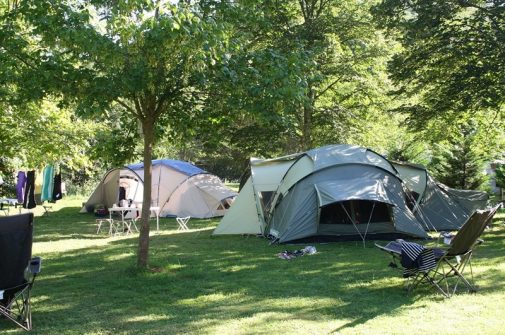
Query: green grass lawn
point(236, 285)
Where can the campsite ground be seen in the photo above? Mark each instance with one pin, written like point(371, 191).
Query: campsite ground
point(236, 285)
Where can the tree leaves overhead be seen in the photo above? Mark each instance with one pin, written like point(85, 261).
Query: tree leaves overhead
point(460, 162)
point(299, 69)
point(133, 52)
point(452, 60)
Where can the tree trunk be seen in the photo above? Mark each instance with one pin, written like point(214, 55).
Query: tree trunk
point(308, 111)
point(143, 250)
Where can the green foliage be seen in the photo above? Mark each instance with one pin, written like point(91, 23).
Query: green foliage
point(500, 175)
point(460, 164)
point(117, 142)
point(452, 56)
point(146, 57)
point(302, 74)
point(40, 133)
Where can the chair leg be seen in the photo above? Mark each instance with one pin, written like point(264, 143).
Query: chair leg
point(113, 229)
point(458, 271)
point(127, 227)
point(47, 209)
point(18, 309)
point(438, 287)
point(445, 271)
point(183, 223)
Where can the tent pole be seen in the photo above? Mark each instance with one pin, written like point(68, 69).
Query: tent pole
point(368, 223)
point(353, 223)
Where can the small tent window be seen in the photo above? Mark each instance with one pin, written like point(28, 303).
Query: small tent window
point(225, 204)
point(357, 210)
point(266, 197)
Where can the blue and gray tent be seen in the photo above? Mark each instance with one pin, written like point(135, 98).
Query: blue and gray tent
point(178, 188)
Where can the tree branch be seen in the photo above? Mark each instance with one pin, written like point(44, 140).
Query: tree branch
point(128, 108)
point(328, 87)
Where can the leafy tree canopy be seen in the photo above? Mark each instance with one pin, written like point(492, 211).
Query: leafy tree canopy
point(460, 161)
point(302, 74)
point(146, 59)
point(452, 56)
point(40, 133)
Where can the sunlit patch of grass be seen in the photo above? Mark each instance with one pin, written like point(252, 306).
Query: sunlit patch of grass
point(199, 284)
point(119, 257)
point(148, 318)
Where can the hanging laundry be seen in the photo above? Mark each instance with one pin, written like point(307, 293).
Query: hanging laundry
point(57, 192)
point(20, 186)
point(39, 177)
point(29, 196)
point(47, 183)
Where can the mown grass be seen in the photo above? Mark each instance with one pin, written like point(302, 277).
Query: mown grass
point(199, 284)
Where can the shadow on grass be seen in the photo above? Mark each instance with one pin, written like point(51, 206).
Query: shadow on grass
point(204, 284)
point(67, 223)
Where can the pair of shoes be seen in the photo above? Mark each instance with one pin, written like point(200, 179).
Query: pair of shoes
point(284, 255)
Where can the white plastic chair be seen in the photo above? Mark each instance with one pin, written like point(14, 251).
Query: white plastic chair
point(183, 223)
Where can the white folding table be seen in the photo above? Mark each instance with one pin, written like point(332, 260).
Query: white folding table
point(122, 211)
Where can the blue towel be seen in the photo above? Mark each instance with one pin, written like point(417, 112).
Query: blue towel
point(47, 184)
point(416, 258)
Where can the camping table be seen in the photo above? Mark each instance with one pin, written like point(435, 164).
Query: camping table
point(123, 210)
point(5, 204)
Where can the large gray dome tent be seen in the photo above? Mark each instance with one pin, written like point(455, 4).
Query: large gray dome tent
point(178, 189)
point(437, 206)
point(341, 190)
point(347, 192)
point(335, 191)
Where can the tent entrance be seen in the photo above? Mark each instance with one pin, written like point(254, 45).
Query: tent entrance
point(355, 216)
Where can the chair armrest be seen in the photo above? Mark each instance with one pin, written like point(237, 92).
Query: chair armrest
point(35, 265)
point(438, 252)
point(393, 248)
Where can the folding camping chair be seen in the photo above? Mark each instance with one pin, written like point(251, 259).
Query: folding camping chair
point(17, 268)
point(437, 266)
point(183, 223)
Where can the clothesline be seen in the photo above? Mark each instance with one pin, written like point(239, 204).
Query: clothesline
point(27, 190)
